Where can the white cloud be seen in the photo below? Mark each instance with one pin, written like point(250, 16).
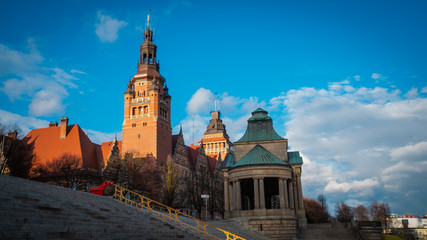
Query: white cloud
point(107, 28)
point(377, 76)
point(193, 128)
point(362, 188)
point(100, 137)
point(424, 90)
point(358, 144)
point(358, 138)
point(24, 75)
point(357, 77)
point(413, 93)
point(416, 152)
point(201, 101)
point(48, 101)
point(24, 123)
point(13, 61)
point(77, 71)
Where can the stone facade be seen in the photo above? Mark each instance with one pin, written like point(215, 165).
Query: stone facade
point(262, 181)
point(216, 141)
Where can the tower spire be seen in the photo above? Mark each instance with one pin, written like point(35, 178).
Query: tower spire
point(216, 102)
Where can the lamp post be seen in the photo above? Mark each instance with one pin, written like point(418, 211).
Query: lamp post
point(205, 196)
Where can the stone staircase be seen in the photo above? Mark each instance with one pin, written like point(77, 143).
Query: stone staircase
point(33, 210)
point(234, 227)
point(329, 231)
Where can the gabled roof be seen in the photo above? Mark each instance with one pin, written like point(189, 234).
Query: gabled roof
point(48, 145)
point(294, 158)
point(192, 156)
point(260, 128)
point(174, 141)
point(259, 156)
point(211, 164)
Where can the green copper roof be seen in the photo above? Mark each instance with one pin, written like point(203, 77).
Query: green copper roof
point(259, 114)
point(228, 162)
point(294, 158)
point(260, 128)
point(259, 156)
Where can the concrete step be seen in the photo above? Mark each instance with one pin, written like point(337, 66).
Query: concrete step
point(34, 210)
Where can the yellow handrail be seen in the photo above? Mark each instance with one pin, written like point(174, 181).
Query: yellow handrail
point(169, 214)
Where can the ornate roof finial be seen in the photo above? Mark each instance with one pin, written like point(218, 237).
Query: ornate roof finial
point(216, 102)
point(115, 137)
point(148, 19)
point(180, 129)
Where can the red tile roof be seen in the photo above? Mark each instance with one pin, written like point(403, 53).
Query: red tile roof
point(48, 145)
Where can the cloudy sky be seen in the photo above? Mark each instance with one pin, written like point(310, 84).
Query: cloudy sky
point(345, 81)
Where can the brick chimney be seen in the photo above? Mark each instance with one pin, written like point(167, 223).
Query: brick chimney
point(63, 130)
point(12, 134)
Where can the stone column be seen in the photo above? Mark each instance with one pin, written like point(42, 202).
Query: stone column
point(256, 193)
point(226, 200)
point(231, 194)
point(281, 193)
point(285, 190)
point(295, 192)
point(291, 195)
point(261, 194)
point(300, 197)
point(238, 196)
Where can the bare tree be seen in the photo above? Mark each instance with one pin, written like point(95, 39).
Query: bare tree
point(344, 212)
point(63, 170)
point(216, 194)
point(196, 184)
point(172, 176)
point(380, 212)
point(138, 174)
point(314, 211)
point(361, 213)
point(17, 156)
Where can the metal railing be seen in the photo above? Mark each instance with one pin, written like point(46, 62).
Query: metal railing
point(165, 213)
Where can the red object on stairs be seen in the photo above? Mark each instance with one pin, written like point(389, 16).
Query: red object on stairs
point(100, 189)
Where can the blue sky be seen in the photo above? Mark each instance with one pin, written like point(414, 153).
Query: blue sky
point(345, 81)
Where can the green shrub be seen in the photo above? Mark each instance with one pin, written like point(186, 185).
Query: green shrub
point(391, 237)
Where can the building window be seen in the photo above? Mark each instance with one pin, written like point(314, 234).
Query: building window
point(133, 125)
point(144, 124)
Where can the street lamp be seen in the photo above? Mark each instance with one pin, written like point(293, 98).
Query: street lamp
point(205, 196)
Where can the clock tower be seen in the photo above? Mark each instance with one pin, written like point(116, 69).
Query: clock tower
point(147, 122)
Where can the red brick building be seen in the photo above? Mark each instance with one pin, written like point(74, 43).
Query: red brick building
point(147, 133)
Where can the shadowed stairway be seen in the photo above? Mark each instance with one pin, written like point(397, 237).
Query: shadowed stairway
point(33, 210)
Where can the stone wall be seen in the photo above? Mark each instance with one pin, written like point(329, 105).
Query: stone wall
point(283, 228)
